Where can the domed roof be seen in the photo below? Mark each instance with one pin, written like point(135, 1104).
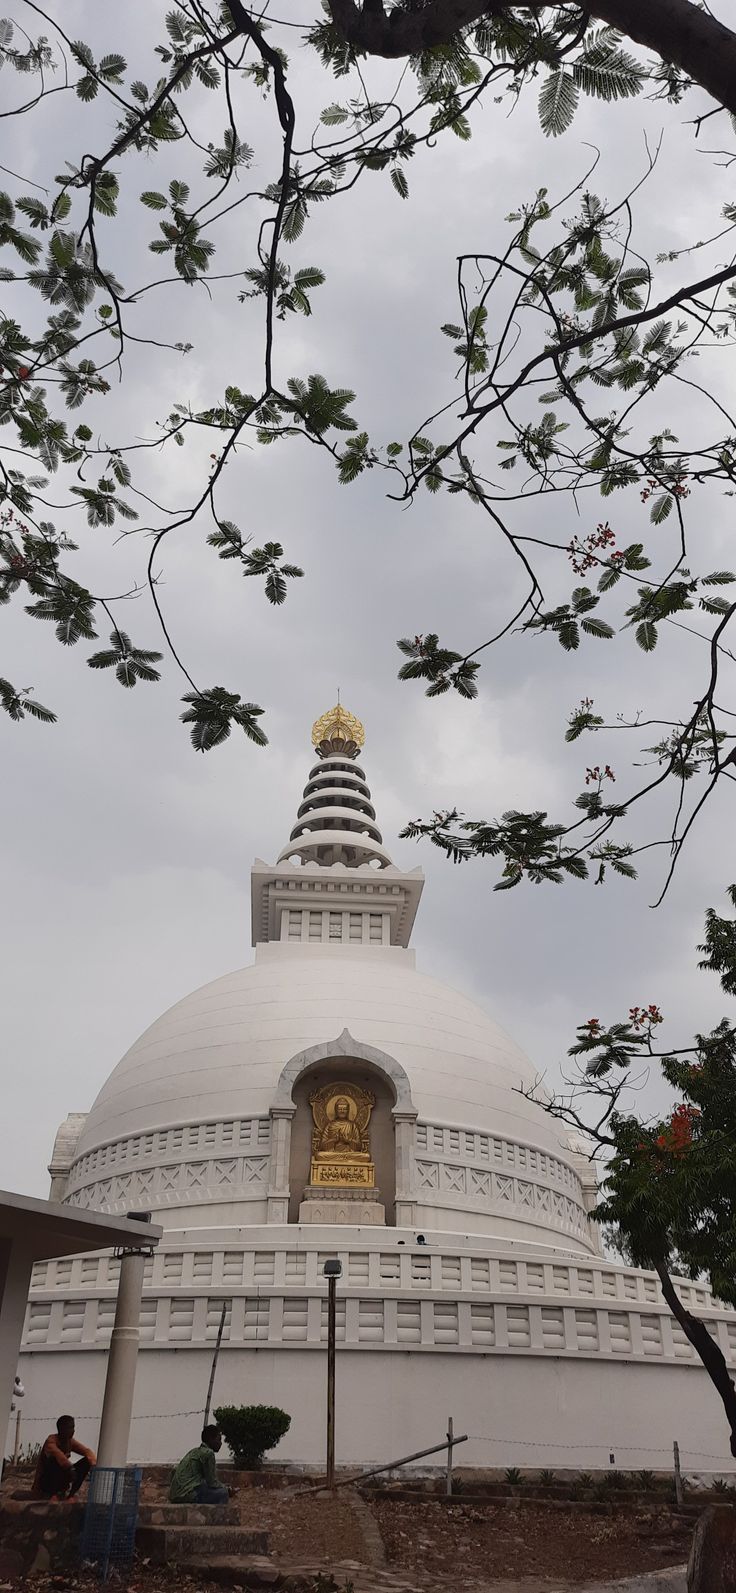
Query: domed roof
point(220, 1052)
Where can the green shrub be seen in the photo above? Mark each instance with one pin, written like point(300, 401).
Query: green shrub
point(584, 1479)
point(546, 1478)
point(249, 1430)
point(645, 1480)
point(513, 1475)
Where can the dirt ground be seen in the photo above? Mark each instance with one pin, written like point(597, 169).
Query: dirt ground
point(467, 1541)
point(426, 1544)
point(309, 1528)
point(490, 1541)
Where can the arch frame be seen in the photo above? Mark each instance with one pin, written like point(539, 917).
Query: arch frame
point(283, 1108)
point(347, 1047)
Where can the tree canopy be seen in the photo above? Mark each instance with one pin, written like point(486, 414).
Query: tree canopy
point(568, 315)
point(669, 1187)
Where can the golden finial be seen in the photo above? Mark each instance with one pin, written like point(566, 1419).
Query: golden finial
point(338, 726)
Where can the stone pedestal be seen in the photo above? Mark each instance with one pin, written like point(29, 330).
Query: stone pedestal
point(349, 1207)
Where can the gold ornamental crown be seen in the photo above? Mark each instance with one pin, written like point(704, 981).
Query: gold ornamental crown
point(337, 725)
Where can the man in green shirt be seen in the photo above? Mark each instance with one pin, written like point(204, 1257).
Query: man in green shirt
point(195, 1478)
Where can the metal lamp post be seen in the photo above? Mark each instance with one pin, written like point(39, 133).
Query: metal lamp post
point(332, 1271)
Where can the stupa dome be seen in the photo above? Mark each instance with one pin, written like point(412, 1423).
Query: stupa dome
point(209, 1119)
point(220, 1052)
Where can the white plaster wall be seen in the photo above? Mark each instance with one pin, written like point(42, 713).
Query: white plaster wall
point(520, 1410)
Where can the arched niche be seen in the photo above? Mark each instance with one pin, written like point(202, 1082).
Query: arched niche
point(392, 1124)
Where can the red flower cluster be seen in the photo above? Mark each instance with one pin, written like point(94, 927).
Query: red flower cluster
point(677, 1139)
point(582, 552)
point(639, 1016)
point(593, 1024)
point(594, 776)
point(678, 488)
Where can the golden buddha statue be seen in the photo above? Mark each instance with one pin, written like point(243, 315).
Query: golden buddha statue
point(341, 1136)
point(341, 1152)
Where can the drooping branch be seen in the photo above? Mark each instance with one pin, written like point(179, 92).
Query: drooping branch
point(676, 30)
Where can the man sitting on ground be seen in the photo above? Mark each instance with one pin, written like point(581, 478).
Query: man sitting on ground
point(195, 1478)
point(57, 1475)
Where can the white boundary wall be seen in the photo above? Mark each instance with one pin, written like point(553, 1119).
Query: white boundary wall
point(545, 1358)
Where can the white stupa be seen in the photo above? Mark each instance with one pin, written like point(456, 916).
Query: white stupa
point(329, 1100)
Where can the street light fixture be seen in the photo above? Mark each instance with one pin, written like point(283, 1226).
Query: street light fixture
point(332, 1271)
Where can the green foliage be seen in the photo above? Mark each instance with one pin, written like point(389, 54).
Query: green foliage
point(719, 946)
point(130, 663)
point(569, 619)
point(265, 561)
point(513, 1476)
point(669, 1192)
point(17, 703)
point(182, 233)
point(28, 1453)
point(531, 848)
point(442, 667)
point(292, 292)
point(213, 713)
point(564, 313)
point(558, 100)
point(470, 341)
point(251, 1430)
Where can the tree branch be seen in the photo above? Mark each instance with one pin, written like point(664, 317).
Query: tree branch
point(705, 1347)
point(676, 30)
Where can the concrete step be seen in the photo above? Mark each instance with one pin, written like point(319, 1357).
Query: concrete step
point(188, 1515)
point(164, 1544)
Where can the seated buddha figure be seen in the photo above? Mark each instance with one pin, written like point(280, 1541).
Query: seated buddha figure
point(341, 1139)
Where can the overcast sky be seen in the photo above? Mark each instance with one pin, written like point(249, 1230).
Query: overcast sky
point(125, 855)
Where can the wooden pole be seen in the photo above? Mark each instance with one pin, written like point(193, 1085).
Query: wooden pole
point(220, 1332)
point(331, 1344)
point(391, 1465)
point(16, 1445)
point(678, 1474)
point(449, 1456)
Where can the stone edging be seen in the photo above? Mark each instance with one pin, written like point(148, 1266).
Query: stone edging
point(671, 1580)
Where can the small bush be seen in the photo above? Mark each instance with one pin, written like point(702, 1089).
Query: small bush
point(584, 1479)
point(513, 1475)
point(645, 1480)
point(249, 1430)
point(546, 1478)
point(720, 1485)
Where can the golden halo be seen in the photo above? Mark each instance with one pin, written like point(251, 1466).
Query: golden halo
point(332, 1103)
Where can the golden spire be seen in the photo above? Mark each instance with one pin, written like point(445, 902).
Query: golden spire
point(338, 731)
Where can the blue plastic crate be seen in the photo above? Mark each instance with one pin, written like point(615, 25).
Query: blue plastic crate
point(111, 1516)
